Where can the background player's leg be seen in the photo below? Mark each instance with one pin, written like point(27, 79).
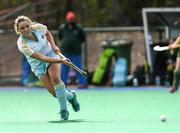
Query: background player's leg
point(176, 76)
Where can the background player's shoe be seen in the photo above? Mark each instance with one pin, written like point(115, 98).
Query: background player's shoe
point(64, 114)
point(74, 103)
point(173, 89)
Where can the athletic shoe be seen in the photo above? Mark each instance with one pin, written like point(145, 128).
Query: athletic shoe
point(173, 89)
point(74, 103)
point(64, 114)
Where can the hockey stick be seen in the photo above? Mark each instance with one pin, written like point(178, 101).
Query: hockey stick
point(163, 48)
point(84, 73)
point(159, 48)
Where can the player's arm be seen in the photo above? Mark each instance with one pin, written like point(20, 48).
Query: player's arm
point(175, 44)
point(44, 58)
point(50, 38)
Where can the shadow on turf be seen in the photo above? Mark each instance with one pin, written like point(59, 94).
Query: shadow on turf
point(68, 121)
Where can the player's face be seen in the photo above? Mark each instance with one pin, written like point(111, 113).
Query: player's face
point(24, 27)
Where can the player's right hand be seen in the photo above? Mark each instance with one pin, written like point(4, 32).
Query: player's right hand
point(66, 61)
point(172, 46)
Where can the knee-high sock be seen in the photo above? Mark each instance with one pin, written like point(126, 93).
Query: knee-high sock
point(176, 78)
point(69, 94)
point(61, 96)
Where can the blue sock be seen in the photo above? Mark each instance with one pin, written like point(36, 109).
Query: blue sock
point(61, 96)
point(70, 95)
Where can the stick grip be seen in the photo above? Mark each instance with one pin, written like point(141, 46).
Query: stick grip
point(61, 55)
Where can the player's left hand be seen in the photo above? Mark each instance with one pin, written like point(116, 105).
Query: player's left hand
point(56, 49)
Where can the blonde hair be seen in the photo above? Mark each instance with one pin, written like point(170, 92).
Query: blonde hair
point(20, 19)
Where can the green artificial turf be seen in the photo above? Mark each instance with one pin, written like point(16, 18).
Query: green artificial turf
point(102, 110)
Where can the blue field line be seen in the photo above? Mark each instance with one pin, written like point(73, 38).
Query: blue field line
point(143, 88)
point(22, 89)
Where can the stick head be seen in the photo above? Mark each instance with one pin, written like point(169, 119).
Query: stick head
point(158, 48)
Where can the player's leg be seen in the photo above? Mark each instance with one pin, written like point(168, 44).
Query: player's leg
point(176, 76)
point(53, 71)
point(71, 96)
point(45, 79)
point(55, 77)
point(62, 94)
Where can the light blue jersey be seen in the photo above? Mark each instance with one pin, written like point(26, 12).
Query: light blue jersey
point(28, 47)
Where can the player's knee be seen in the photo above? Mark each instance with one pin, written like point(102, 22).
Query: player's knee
point(62, 84)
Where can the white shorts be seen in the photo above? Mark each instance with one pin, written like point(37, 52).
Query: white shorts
point(43, 66)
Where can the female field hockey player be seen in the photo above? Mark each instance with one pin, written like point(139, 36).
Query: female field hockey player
point(37, 44)
point(176, 76)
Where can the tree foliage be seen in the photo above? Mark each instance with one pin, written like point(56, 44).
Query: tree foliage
point(113, 12)
point(100, 12)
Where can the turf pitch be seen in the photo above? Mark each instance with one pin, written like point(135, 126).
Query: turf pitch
point(123, 109)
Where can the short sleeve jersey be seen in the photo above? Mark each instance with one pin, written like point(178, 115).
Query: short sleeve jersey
point(28, 47)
